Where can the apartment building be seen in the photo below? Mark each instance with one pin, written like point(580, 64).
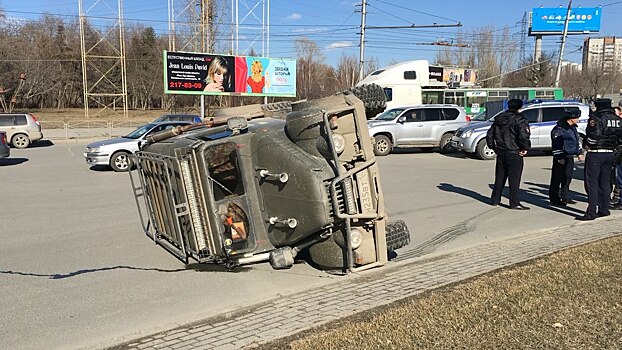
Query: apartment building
point(604, 53)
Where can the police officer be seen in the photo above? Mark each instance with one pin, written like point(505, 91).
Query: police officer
point(565, 141)
point(509, 138)
point(602, 137)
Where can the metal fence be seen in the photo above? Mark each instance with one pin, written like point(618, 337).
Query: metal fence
point(88, 128)
point(91, 124)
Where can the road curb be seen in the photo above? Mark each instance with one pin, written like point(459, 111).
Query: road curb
point(287, 315)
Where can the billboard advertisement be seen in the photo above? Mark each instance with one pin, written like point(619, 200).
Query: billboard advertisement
point(435, 73)
point(209, 74)
point(551, 20)
point(455, 76)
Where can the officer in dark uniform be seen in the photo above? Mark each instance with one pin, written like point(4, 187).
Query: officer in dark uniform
point(565, 142)
point(603, 133)
point(509, 138)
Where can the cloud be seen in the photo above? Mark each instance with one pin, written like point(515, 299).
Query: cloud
point(340, 44)
point(294, 16)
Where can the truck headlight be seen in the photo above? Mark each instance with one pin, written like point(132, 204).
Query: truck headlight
point(339, 142)
point(356, 238)
point(467, 134)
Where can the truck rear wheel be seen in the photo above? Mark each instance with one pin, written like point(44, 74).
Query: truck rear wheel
point(398, 235)
point(373, 98)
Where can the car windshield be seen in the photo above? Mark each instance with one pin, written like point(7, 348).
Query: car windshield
point(140, 131)
point(389, 114)
point(479, 117)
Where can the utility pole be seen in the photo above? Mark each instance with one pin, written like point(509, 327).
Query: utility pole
point(561, 50)
point(362, 43)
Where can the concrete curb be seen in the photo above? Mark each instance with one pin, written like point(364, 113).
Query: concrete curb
point(287, 315)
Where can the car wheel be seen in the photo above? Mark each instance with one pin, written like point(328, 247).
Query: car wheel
point(121, 161)
point(383, 145)
point(484, 152)
point(445, 144)
point(20, 141)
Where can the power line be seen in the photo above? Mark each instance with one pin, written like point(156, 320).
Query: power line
point(417, 11)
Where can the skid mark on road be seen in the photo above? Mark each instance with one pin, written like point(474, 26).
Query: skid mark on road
point(445, 236)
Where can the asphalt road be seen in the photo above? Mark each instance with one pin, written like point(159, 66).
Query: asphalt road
point(76, 271)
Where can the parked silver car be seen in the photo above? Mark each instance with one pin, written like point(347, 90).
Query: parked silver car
point(5, 151)
point(419, 126)
point(21, 129)
point(542, 117)
point(117, 152)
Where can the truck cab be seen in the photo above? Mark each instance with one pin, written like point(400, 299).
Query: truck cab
point(241, 192)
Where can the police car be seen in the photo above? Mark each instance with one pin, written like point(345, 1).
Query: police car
point(542, 117)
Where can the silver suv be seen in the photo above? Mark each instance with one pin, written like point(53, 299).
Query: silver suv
point(542, 117)
point(423, 126)
point(21, 129)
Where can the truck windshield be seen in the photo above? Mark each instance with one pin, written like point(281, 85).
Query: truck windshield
point(389, 114)
point(224, 170)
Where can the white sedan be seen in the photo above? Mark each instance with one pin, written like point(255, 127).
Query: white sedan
point(116, 152)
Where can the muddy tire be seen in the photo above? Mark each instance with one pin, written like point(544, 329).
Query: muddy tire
point(398, 235)
point(483, 152)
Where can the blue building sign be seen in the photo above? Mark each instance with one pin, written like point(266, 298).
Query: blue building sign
point(551, 20)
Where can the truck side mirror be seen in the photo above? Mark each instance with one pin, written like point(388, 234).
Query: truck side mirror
point(237, 123)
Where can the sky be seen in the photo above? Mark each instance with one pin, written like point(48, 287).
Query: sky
point(335, 24)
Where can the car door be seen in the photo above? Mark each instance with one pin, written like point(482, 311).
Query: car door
point(533, 117)
point(409, 126)
point(432, 126)
point(7, 124)
point(550, 116)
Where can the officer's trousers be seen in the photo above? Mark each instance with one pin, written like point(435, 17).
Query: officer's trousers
point(597, 182)
point(561, 176)
point(509, 167)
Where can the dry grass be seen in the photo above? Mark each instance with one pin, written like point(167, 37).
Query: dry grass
point(569, 300)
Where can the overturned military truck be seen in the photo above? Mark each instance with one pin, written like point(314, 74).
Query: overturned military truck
point(270, 183)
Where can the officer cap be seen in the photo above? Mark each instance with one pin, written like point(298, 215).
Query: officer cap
point(572, 114)
point(515, 104)
point(602, 103)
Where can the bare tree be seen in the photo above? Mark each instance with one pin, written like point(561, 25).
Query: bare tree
point(347, 72)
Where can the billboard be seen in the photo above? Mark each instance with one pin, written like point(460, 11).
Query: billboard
point(209, 74)
point(455, 76)
point(435, 73)
point(551, 20)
